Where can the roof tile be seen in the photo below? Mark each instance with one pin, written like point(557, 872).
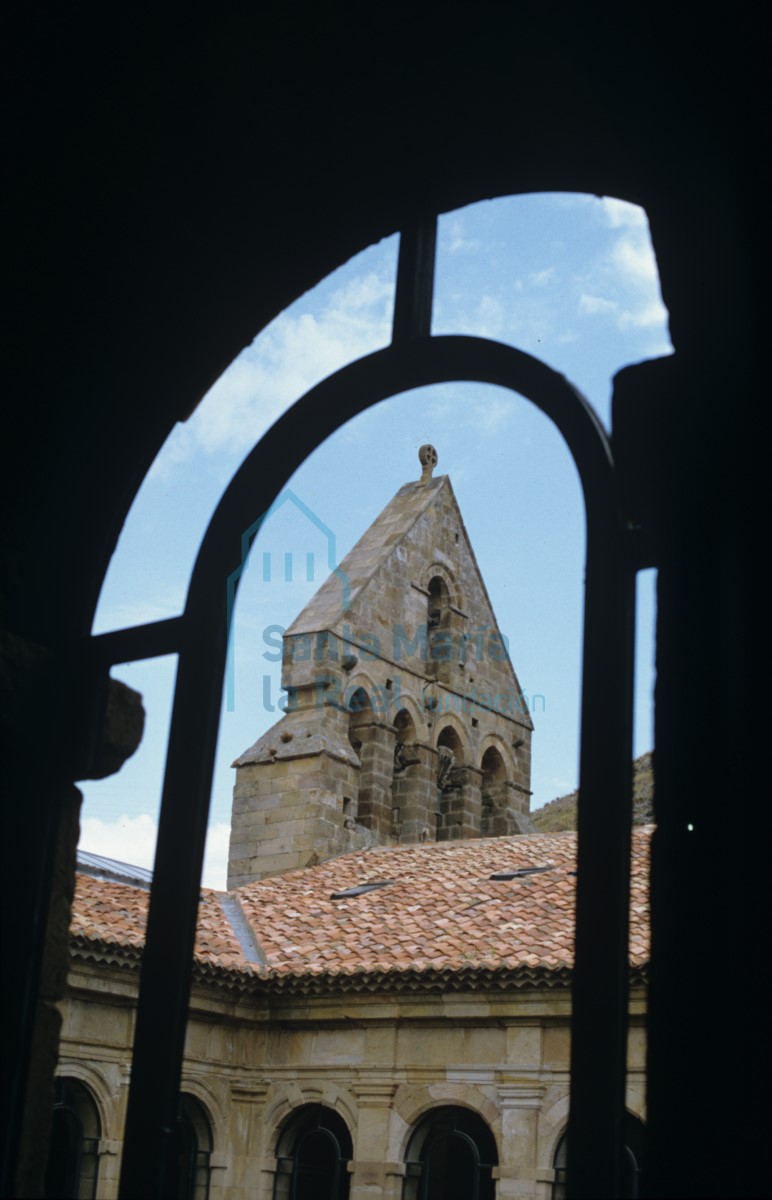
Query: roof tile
point(441, 910)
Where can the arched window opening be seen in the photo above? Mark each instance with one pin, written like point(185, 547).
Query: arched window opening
point(360, 717)
point(495, 794)
point(194, 1150)
point(355, 808)
point(444, 640)
point(451, 782)
point(403, 784)
point(450, 1156)
point(439, 605)
point(632, 1166)
point(372, 739)
point(449, 740)
point(73, 1153)
point(312, 1156)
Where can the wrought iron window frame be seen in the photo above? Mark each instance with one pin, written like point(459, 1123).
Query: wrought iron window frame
point(199, 637)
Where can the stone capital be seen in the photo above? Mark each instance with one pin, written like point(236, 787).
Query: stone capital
point(517, 1095)
point(374, 1095)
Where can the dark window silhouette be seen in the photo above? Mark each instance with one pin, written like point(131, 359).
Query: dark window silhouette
point(635, 1138)
point(73, 1153)
point(450, 1156)
point(405, 757)
point(312, 1156)
point(439, 604)
point(194, 1149)
point(361, 716)
point(495, 794)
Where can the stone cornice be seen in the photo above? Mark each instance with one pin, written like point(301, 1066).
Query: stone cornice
point(331, 983)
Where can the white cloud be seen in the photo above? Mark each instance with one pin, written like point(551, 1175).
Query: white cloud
point(458, 242)
point(296, 351)
point(132, 840)
point(127, 839)
point(527, 322)
point(492, 414)
point(653, 313)
point(634, 258)
point(216, 856)
point(594, 305)
point(489, 320)
point(620, 213)
point(623, 283)
point(540, 278)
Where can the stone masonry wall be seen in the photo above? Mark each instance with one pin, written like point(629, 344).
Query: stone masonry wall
point(381, 1062)
point(417, 646)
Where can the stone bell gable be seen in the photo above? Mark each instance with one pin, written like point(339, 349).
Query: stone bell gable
point(405, 721)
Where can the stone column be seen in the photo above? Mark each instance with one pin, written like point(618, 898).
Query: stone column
point(501, 804)
point(109, 1168)
point(460, 806)
point(522, 773)
point(495, 800)
point(248, 1164)
point(373, 1176)
point(375, 776)
point(519, 798)
point(518, 1168)
point(414, 796)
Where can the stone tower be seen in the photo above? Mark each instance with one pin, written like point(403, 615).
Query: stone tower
point(405, 721)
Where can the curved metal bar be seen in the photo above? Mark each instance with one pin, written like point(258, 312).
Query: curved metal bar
point(400, 368)
point(601, 951)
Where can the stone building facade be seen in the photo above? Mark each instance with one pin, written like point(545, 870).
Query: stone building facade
point(405, 720)
point(379, 1000)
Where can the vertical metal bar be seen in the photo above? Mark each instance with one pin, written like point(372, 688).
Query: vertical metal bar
point(601, 970)
point(148, 1152)
point(415, 280)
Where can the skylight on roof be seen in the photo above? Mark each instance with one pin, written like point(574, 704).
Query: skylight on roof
point(520, 872)
point(360, 890)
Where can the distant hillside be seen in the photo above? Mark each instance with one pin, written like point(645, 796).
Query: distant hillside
point(561, 813)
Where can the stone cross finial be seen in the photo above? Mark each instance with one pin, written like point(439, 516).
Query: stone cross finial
point(427, 456)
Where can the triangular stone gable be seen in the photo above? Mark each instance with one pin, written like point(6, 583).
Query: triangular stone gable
point(405, 719)
point(377, 600)
point(342, 588)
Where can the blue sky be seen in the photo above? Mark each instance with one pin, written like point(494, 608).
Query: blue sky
point(569, 279)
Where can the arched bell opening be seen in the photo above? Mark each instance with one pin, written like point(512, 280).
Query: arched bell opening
point(444, 632)
point(495, 794)
point(409, 810)
point(373, 743)
point(438, 634)
point(453, 782)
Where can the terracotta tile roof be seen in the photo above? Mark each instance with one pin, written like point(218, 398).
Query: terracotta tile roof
point(115, 914)
point(441, 910)
point(109, 912)
point(440, 913)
